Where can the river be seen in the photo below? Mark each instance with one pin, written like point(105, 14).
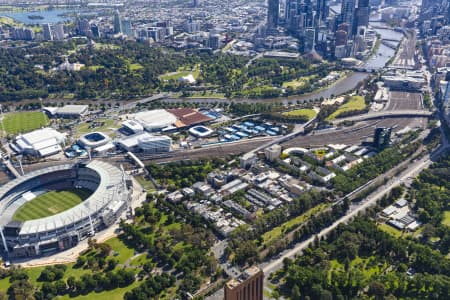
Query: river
point(48, 16)
point(377, 61)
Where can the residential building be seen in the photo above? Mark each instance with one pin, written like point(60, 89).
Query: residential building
point(273, 152)
point(248, 286)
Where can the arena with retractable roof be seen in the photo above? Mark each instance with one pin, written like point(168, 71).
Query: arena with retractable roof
point(52, 209)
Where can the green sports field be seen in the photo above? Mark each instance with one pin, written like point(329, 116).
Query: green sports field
point(51, 203)
point(21, 122)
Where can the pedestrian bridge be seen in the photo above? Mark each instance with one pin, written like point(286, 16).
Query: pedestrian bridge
point(385, 114)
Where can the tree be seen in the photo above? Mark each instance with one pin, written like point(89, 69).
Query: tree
point(20, 289)
point(71, 282)
point(295, 293)
point(61, 287)
point(377, 289)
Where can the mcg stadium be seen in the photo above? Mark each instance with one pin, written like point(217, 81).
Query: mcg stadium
point(52, 209)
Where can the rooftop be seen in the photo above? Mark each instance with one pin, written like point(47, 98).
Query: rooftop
point(247, 273)
point(73, 109)
point(188, 116)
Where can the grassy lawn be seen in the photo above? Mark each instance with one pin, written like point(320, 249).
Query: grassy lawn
point(177, 75)
point(208, 95)
point(366, 265)
point(354, 103)
point(276, 232)
point(94, 67)
point(8, 21)
point(35, 272)
point(22, 122)
point(135, 67)
point(310, 113)
point(101, 46)
point(389, 229)
point(4, 284)
point(123, 252)
point(146, 184)
point(446, 219)
point(140, 260)
point(108, 127)
point(299, 82)
point(50, 203)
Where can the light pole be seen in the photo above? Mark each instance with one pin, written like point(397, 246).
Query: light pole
point(19, 159)
point(1, 117)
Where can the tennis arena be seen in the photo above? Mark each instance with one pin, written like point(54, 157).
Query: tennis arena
point(52, 209)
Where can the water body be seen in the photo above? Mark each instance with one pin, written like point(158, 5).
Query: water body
point(389, 34)
point(379, 60)
point(346, 84)
point(48, 16)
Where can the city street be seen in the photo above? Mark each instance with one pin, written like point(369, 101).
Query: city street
point(412, 171)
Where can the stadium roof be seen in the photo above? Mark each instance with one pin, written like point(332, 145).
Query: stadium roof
point(41, 135)
point(104, 196)
point(188, 116)
point(155, 119)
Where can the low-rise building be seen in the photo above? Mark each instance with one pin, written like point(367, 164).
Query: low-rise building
point(147, 143)
point(273, 152)
point(42, 142)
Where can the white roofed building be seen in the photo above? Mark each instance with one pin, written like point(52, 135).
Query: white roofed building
point(145, 142)
point(133, 126)
point(155, 120)
point(42, 142)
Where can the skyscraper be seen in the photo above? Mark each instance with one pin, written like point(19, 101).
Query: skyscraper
point(273, 14)
point(322, 12)
point(309, 39)
point(126, 27)
point(348, 12)
point(117, 22)
point(362, 13)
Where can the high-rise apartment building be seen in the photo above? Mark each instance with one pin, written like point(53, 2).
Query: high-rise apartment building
point(47, 32)
point(248, 286)
point(58, 32)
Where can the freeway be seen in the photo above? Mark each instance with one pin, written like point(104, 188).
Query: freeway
point(412, 171)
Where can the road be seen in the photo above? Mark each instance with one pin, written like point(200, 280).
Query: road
point(412, 171)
